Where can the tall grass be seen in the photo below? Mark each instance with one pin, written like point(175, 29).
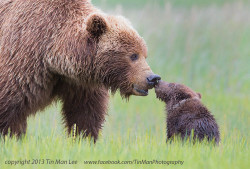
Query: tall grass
point(206, 47)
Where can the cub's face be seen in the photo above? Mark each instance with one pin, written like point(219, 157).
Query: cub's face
point(174, 92)
point(122, 54)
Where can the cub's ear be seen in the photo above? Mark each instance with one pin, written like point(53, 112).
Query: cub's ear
point(199, 95)
point(96, 25)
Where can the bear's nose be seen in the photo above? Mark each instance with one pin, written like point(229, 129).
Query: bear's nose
point(153, 80)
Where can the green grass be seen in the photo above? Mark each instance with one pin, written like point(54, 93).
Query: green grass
point(203, 46)
point(175, 3)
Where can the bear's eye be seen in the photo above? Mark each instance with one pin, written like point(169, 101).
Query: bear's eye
point(134, 57)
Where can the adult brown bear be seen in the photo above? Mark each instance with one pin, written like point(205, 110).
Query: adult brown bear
point(67, 50)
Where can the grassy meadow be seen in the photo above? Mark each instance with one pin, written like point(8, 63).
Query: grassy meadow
point(203, 44)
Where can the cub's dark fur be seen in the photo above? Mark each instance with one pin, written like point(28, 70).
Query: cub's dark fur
point(186, 112)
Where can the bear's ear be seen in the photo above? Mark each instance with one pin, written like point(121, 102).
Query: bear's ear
point(199, 95)
point(96, 25)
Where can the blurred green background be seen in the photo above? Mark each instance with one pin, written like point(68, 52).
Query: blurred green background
point(203, 44)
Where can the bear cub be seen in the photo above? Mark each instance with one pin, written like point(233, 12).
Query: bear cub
point(185, 112)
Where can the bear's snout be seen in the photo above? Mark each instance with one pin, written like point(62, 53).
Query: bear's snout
point(140, 89)
point(153, 80)
point(162, 89)
point(162, 85)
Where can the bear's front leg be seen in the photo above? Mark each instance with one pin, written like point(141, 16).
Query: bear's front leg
point(86, 109)
point(13, 124)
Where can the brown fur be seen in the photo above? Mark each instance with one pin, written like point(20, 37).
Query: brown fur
point(67, 50)
point(186, 112)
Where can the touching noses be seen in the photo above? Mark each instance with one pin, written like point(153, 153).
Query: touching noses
point(153, 80)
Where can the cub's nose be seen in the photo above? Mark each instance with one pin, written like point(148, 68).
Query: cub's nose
point(153, 80)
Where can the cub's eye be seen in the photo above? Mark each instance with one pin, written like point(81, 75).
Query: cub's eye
point(134, 57)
